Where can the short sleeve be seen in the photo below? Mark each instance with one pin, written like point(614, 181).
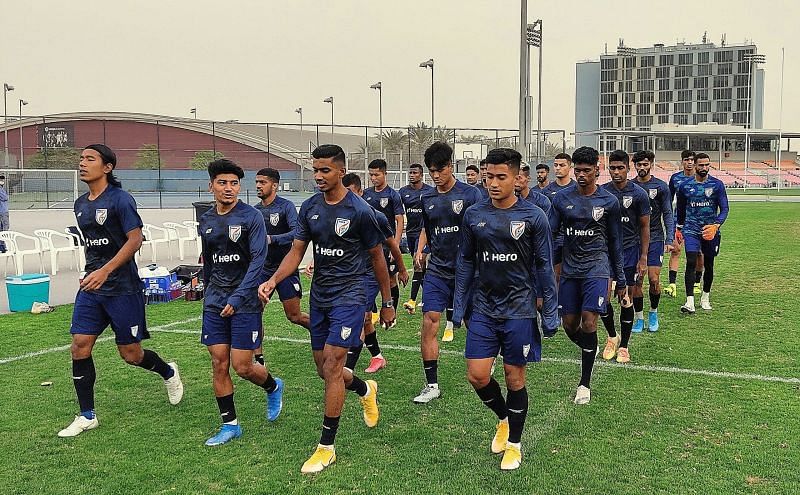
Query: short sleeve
point(398, 203)
point(369, 229)
point(129, 218)
point(303, 232)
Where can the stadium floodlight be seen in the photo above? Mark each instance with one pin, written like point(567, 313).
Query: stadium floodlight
point(429, 64)
point(753, 58)
point(22, 103)
point(330, 100)
point(533, 38)
point(6, 88)
point(193, 111)
point(379, 87)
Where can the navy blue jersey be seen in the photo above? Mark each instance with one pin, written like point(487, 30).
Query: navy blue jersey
point(550, 191)
point(340, 233)
point(675, 181)
point(386, 233)
point(234, 250)
point(633, 204)
point(480, 187)
point(413, 205)
point(539, 199)
point(701, 204)
point(661, 217)
point(280, 219)
point(387, 201)
point(442, 214)
point(105, 223)
point(592, 228)
point(503, 252)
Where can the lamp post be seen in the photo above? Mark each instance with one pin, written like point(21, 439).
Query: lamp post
point(429, 64)
point(534, 38)
point(330, 100)
point(625, 52)
point(21, 149)
point(379, 87)
point(524, 76)
point(753, 58)
point(193, 111)
point(6, 88)
point(299, 110)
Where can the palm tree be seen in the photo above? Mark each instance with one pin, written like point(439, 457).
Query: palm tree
point(394, 140)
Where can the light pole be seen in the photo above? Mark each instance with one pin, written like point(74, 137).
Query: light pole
point(330, 100)
point(534, 38)
point(625, 52)
point(21, 149)
point(524, 76)
point(6, 88)
point(379, 87)
point(753, 58)
point(193, 111)
point(429, 64)
point(300, 111)
point(780, 119)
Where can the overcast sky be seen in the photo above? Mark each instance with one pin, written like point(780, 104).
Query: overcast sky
point(259, 60)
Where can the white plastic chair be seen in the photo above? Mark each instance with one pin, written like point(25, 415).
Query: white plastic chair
point(56, 242)
point(183, 233)
point(10, 254)
point(14, 238)
point(77, 241)
point(154, 236)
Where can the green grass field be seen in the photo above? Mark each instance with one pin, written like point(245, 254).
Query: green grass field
point(661, 424)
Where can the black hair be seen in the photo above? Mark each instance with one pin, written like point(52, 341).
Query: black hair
point(585, 156)
point(378, 163)
point(526, 170)
point(700, 156)
point(562, 156)
point(543, 166)
point(438, 154)
point(270, 173)
point(510, 157)
point(483, 161)
point(352, 179)
point(687, 154)
point(332, 151)
point(473, 168)
point(415, 165)
point(109, 158)
point(224, 166)
point(619, 156)
point(644, 155)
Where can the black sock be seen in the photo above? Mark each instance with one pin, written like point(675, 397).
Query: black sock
point(625, 324)
point(269, 384)
point(588, 344)
point(352, 357)
point(638, 304)
point(395, 296)
point(371, 341)
point(358, 386)
point(83, 376)
point(673, 276)
point(416, 283)
point(575, 337)
point(153, 362)
point(698, 275)
point(492, 397)
point(259, 359)
point(654, 300)
point(431, 372)
point(227, 410)
point(517, 402)
point(688, 276)
point(608, 320)
point(449, 313)
point(708, 276)
point(329, 427)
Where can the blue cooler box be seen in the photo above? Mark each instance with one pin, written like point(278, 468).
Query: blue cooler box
point(24, 290)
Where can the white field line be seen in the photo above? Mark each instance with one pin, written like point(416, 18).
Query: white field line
point(159, 328)
point(599, 363)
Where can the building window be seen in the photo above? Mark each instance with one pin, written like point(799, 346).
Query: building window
point(645, 85)
point(608, 99)
point(662, 72)
point(607, 87)
point(627, 109)
point(720, 117)
point(643, 73)
point(742, 92)
point(608, 110)
point(620, 124)
point(608, 63)
point(627, 122)
point(704, 70)
point(682, 83)
point(723, 56)
point(662, 108)
point(630, 98)
point(685, 58)
point(743, 67)
point(702, 58)
point(725, 69)
point(646, 97)
point(741, 105)
point(663, 119)
point(665, 96)
point(698, 118)
point(648, 61)
point(644, 121)
point(607, 122)
point(665, 60)
point(740, 118)
point(608, 75)
point(702, 94)
point(723, 106)
point(663, 84)
point(683, 71)
point(685, 95)
point(723, 93)
point(741, 80)
point(682, 107)
point(700, 82)
point(682, 119)
point(643, 109)
point(720, 81)
point(741, 53)
point(704, 106)
point(625, 86)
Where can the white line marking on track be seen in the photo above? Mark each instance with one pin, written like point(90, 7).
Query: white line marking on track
point(159, 328)
point(602, 364)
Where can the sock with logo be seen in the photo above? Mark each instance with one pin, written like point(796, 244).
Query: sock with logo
point(517, 403)
point(153, 362)
point(269, 384)
point(431, 372)
point(608, 320)
point(655, 298)
point(227, 410)
point(395, 296)
point(492, 397)
point(371, 341)
point(449, 313)
point(358, 386)
point(329, 427)
point(588, 344)
point(259, 359)
point(83, 377)
point(625, 324)
point(416, 283)
point(352, 357)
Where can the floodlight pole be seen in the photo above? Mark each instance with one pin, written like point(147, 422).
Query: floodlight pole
point(21, 149)
point(6, 88)
point(379, 87)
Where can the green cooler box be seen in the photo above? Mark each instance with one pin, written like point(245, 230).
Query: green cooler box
point(24, 290)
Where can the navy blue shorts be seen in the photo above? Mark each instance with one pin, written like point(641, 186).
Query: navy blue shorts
point(289, 288)
point(518, 340)
point(371, 291)
point(655, 254)
point(413, 241)
point(339, 326)
point(125, 313)
point(240, 331)
point(630, 258)
point(696, 244)
point(438, 294)
point(391, 264)
point(582, 294)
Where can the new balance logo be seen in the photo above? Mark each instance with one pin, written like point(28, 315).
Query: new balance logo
point(77, 377)
point(314, 217)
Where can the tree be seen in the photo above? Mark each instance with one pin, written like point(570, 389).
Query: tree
point(394, 141)
point(55, 158)
point(147, 158)
point(202, 158)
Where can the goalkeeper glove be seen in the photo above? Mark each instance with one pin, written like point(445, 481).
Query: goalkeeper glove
point(710, 231)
